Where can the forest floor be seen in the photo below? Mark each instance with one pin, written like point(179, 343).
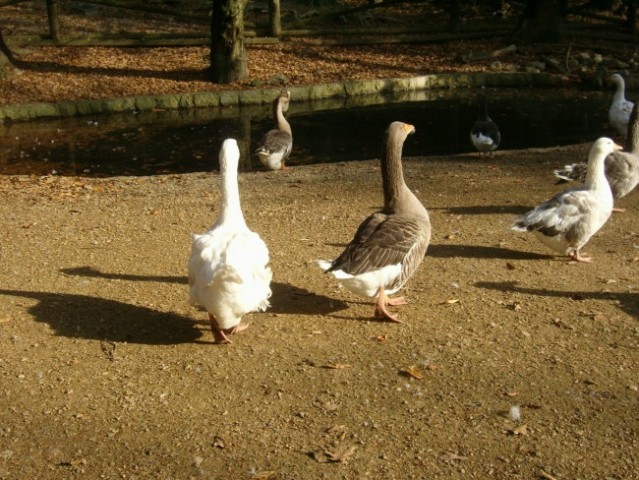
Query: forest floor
point(509, 363)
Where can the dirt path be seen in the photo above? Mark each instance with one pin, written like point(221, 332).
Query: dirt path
point(107, 372)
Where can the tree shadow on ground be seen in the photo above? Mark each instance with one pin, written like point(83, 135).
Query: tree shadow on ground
point(477, 251)
point(628, 302)
point(487, 209)
point(83, 316)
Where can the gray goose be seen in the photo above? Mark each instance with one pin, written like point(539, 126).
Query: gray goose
point(566, 222)
point(276, 145)
point(621, 168)
point(485, 134)
point(389, 245)
point(620, 108)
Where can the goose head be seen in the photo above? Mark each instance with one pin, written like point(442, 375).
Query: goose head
point(617, 79)
point(283, 100)
point(229, 155)
point(604, 146)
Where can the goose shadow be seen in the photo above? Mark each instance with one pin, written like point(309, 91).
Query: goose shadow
point(478, 251)
point(95, 273)
point(285, 298)
point(94, 318)
point(289, 299)
point(486, 209)
point(628, 302)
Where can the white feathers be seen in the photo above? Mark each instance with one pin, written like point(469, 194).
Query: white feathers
point(228, 269)
point(566, 222)
point(620, 108)
point(514, 413)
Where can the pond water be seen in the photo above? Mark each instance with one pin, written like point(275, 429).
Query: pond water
point(334, 130)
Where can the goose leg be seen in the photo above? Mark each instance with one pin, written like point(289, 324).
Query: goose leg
point(578, 257)
point(221, 334)
point(619, 210)
point(218, 333)
point(382, 301)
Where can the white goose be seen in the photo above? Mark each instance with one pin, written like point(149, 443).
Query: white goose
point(389, 245)
point(566, 222)
point(228, 269)
point(276, 145)
point(620, 108)
point(621, 168)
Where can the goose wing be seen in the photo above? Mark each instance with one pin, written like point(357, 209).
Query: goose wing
point(383, 240)
point(561, 215)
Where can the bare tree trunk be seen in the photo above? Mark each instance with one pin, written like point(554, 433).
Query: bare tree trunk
point(228, 55)
point(54, 24)
point(631, 16)
point(274, 13)
point(542, 21)
point(7, 60)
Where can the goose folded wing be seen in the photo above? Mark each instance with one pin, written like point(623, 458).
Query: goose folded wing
point(383, 240)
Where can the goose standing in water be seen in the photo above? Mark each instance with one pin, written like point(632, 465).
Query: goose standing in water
point(276, 145)
point(566, 222)
point(389, 245)
point(485, 134)
point(621, 168)
point(228, 270)
point(620, 108)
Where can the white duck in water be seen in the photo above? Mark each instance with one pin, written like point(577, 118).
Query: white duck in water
point(276, 145)
point(228, 270)
point(566, 222)
point(620, 108)
point(621, 168)
point(389, 245)
point(485, 134)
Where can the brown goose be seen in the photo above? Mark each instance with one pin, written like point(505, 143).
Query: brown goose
point(276, 145)
point(389, 245)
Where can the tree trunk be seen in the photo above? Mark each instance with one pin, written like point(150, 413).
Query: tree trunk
point(631, 15)
point(7, 60)
point(274, 13)
point(54, 24)
point(542, 21)
point(228, 55)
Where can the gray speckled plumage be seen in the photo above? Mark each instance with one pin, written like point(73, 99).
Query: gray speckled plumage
point(566, 222)
point(485, 134)
point(621, 167)
point(276, 145)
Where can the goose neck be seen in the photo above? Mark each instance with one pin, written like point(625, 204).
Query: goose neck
point(282, 123)
point(595, 175)
point(231, 210)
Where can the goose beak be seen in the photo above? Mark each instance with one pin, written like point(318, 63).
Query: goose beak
point(409, 128)
point(617, 147)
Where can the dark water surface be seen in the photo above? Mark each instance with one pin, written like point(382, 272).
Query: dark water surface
point(332, 130)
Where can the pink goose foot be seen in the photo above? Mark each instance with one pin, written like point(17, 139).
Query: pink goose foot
point(382, 301)
point(220, 334)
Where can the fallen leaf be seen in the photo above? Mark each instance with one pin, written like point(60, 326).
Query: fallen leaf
point(218, 442)
point(520, 430)
point(412, 372)
point(342, 453)
point(452, 301)
point(510, 266)
point(336, 366)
